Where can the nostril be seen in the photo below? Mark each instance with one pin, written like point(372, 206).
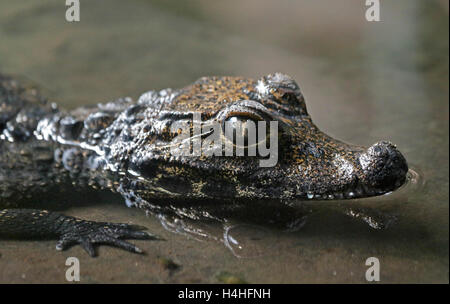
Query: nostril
point(384, 167)
point(382, 149)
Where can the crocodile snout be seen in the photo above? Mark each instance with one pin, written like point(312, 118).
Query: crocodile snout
point(384, 168)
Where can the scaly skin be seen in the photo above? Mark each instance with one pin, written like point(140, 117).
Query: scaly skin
point(123, 145)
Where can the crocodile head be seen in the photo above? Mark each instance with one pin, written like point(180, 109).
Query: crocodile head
point(310, 164)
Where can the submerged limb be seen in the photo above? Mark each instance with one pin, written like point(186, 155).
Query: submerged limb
point(33, 223)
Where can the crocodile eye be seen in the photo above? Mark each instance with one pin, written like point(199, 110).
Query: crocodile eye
point(237, 129)
point(242, 130)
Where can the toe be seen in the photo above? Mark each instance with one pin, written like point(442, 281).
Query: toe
point(65, 242)
point(88, 247)
point(119, 243)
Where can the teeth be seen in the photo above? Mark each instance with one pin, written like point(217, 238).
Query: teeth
point(350, 194)
point(358, 191)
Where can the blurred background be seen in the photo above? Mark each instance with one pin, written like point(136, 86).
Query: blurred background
point(363, 82)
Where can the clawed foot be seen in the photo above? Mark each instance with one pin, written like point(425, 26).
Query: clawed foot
point(88, 233)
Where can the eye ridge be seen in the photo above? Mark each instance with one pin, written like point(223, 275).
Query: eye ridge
point(244, 116)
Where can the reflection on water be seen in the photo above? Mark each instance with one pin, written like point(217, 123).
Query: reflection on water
point(363, 82)
point(247, 241)
point(414, 182)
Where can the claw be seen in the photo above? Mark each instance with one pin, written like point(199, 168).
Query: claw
point(87, 246)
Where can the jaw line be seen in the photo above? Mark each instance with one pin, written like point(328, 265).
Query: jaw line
point(359, 191)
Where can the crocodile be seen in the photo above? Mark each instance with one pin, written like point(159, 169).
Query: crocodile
point(121, 145)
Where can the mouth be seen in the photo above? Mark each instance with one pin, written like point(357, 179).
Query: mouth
point(358, 191)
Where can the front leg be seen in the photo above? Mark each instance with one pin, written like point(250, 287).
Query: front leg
point(33, 223)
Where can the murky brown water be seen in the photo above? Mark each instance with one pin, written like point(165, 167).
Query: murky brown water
point(363, 82)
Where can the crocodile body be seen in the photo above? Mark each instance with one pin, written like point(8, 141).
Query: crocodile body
point(124, 146)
